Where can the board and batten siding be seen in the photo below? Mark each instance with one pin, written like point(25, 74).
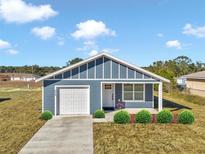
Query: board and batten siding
point(95, 93)
point(102, 68)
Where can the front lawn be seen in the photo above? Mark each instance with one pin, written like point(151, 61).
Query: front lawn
point(19, 118)
point(153, 138)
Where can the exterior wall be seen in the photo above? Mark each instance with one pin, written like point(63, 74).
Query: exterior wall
point(95, 93)
point(102, 68)
point(148, 103)
point(196, 87)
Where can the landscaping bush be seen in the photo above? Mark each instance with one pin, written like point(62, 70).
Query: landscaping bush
point(186, 117)
point(99, 114)
point(164, 116)
point(143, 116)
point(46, 115)
point(122, 117)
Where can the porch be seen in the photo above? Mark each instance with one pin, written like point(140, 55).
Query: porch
point(130, 96)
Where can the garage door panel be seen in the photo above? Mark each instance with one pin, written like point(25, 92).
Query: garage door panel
point(74, 100)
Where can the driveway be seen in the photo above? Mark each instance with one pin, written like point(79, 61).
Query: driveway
point(73, 135)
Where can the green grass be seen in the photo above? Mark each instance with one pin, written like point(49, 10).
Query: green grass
point(19, 118)
point(154, 138)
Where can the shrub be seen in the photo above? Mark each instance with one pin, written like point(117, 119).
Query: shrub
point(164, 116)
point(99, 114)
point(46, 115)
point(186, 117)
point(143, 116)
point(122, 117)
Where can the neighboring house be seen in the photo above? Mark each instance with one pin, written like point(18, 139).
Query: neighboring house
point(20, 76)
point(195, 83)
point(181, 81)
point(99, 82)
point(4, 77)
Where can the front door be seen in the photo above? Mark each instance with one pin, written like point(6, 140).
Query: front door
point(108, 95)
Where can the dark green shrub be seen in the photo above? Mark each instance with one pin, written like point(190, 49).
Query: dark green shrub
point(122, 117)
point(164, 116)
point(46, 115)
point(186, 117)
point(143, 116)
point(99, 114)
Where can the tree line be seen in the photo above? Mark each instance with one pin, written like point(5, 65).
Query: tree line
point(170, 69)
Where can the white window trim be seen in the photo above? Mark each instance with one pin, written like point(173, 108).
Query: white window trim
point(143, 100)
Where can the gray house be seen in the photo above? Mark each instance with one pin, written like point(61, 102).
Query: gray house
point(99, 82)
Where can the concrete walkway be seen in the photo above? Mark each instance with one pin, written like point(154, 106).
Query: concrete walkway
point(62, 135)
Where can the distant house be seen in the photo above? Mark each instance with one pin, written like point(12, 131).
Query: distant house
point(181, 81)
point(195, 83)
point(18, 77)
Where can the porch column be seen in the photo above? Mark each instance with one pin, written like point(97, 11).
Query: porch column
point(160, 97)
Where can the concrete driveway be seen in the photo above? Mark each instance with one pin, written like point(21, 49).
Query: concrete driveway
point(66, 135)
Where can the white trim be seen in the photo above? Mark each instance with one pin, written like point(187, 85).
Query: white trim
point(152, 95)
point(63, 86)
point(111, 70)
point(114, 94)
point(143, 100)
point(112, 58)
point(118, 70)
point(160, 97)
point(157, 82)
point(79, 72)
point(95, 68)
point(103, 67)
point(109, 79)
point(42, 93)
point(101, 95)
point(126, 72)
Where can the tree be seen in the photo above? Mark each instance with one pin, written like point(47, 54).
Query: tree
point(74, 61)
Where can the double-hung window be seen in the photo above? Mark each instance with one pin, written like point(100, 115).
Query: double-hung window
point(133, 92)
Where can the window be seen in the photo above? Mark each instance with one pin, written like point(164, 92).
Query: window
point(133, 92)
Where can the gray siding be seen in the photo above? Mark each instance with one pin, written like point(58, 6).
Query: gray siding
point(112, 70)
point(123, 72)
point(99, 68)
point(115, 70)
point(83, 71)
point(95, 92)
point(149, 92)
point(66, 75)
point(91, 69)
point(75, 73)
point(131, 73)
point(107, 65)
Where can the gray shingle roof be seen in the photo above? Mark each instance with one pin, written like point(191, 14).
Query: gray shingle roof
point(197, 75)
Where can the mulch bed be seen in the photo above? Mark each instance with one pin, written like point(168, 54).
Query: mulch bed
point(154, 118)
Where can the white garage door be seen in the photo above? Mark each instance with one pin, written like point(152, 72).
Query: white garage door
point(74, 100)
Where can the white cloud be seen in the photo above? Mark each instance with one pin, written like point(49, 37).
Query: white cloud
point(12, 52)
point(19, 11)
point(93, 52)
point(61, 41)
point(4, 44)
point(110, 50)
point(173, 44)
point(91, 29)
point(160, 35)
point(87, 45)
point(197, 31)
point(44, 32)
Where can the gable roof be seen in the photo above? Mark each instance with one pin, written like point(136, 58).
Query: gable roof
point(197, 75)
point(108, 56)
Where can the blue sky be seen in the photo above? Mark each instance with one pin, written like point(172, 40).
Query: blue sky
point(49, 33)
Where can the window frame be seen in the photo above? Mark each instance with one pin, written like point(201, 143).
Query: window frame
point(133, 91)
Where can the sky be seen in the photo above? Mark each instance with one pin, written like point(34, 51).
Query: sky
point(51, 32)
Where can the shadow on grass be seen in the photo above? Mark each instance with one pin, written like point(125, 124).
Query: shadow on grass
point(4, 99)
point(170, 104)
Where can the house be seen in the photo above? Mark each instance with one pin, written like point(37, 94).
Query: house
point(20, 76)
point(195, 83)
point(181, 81)
point(99, 82)
point(4, 77)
